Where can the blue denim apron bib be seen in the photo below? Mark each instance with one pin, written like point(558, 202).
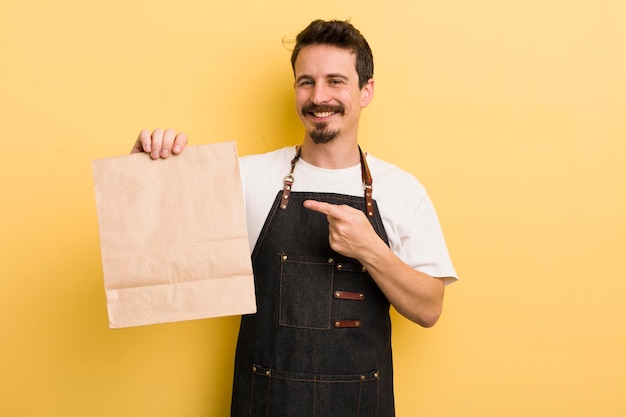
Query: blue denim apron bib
point(320, 342)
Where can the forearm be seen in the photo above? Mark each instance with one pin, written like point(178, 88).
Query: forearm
point(414, 294)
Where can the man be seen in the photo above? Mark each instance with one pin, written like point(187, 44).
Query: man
point(336, 236)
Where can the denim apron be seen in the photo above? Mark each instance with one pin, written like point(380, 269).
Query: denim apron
point(320, 342)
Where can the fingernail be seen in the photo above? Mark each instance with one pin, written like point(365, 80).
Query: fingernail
point(154, 155)
point(176, 149)
point(165, 153)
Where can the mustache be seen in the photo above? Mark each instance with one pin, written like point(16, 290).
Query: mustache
point(313, 108)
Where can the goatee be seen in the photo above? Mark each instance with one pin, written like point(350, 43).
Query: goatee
point(322, 134)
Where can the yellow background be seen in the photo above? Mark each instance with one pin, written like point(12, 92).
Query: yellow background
point(512, 113)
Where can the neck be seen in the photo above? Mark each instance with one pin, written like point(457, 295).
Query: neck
point(332, 155)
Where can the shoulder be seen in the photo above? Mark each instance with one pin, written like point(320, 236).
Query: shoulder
point(393, 179)
point(268, 158)
point(265, 172)
point(266, 168)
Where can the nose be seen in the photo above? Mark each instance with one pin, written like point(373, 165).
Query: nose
point(320, 94)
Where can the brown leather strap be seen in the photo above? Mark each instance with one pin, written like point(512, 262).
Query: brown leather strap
point(347, 324)
point(347, 295)
point(288, 181)
point(367, 184)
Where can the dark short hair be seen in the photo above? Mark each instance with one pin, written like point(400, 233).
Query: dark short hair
point(340, 34)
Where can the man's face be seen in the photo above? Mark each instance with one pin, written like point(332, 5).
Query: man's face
point(328, 97)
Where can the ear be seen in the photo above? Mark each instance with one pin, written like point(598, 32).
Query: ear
point(367, 93)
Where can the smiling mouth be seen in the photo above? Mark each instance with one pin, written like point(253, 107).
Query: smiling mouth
point(321, 115)
point(322, 112)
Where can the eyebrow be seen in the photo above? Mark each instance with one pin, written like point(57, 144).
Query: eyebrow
point(327, 76)
point(342, 76)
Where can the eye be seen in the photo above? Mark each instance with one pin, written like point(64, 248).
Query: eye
point(304, 83)
point(335, 81)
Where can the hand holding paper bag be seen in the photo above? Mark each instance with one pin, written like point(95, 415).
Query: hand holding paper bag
point(161, 143)
point(173, 236)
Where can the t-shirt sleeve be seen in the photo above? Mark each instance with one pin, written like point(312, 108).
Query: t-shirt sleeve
point(424, 245)
point(412, 225)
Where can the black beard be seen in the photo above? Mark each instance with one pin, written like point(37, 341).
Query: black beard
point(322, 134)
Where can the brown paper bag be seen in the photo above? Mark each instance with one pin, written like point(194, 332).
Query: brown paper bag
point(173, 236)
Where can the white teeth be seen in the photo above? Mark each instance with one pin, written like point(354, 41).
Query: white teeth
point(324, 114)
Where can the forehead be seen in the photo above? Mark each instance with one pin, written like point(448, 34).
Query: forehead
point(325, 59)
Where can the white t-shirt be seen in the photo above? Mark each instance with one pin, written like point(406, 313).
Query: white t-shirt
point(408, 215)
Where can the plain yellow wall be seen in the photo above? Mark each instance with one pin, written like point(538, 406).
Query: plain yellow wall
point(512, 113)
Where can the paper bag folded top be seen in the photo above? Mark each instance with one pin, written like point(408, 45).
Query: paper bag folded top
point(173, 236)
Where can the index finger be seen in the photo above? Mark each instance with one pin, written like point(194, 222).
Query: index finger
point(143, 142)
point(320, 206)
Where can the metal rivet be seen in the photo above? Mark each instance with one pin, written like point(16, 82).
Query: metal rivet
point(284, 257)
point(268, 373)
point(285, 197)
point(369, 204)
point(253, 368)
point(337, 324)
point(361, 296)
point(283, 206)
point(331, 260)
point(337, 294)
point(287, 187)
point(362, 377)
point(357, 324)
point(339, 267)
point(375, 374)
point(364, 269)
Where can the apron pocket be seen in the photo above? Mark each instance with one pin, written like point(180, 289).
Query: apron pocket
point(280, 393)
point(306, 291)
